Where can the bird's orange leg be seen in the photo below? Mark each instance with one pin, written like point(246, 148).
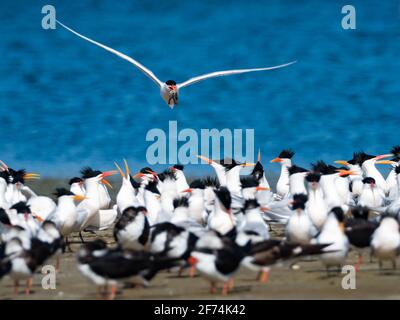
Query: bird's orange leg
point(264, 276)
point(359, 262)
point(192, 271)
point(212, 288)
point(28, 286)
point(225, 289)
point(231, 283)
point(113, 292)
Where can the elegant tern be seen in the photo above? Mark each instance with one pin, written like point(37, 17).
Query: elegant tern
point(169, 90)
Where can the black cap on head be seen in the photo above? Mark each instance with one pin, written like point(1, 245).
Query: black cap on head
point(211, 182)
point(5, 175)
point(250, 204)
point(133, 211)
point(75, 180)
point(21, 207)
point(146, 170)
point(357, 158)
point(134, 184)
point(397, 169)
point(178, 167)
point(152, 187)
point(396, 153)
point(286, 154)
point(248, 182)
point(313, 177)
point(62, 192)
point(4, 219)
point(181, 202)
point(197, 184)
point(324, 169)
point(258, 171)
point(368, 180)
point(88, 172)
point(299, 201)
point(167, 174)
point(17, 176)
point(170, 82)
point(228, 163)
point(295, 169)
point(224, 197)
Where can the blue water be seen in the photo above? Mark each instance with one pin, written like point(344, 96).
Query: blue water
point(65, 103)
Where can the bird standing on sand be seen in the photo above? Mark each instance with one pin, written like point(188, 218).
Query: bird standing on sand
point(169, 90)
point(385, 242)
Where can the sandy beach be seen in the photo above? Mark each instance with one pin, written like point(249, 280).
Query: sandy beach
point(310, 281)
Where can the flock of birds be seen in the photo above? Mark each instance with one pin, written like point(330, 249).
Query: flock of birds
point(214, 226)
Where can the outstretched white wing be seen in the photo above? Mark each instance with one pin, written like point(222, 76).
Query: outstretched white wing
point(142, 68)
point(228, 73)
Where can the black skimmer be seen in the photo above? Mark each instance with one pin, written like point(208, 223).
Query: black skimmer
point(106, 267)
point(359, 230)
point(263, 255)
point(217, 259)
point(170, 240)
point(169, 90)
point(132, 230)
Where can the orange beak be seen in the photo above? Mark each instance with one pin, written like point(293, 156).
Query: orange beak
point(262, 188)
point(342, 162)
point(187, 190)
point(37, 217)
point(277, 159)
point(106, 174)
point(31, 176)
point(106, 183)
point(386, 162)
point(79, 197)
point(138, 175)
point(3, 166)
point(209, 161)
point(248, 164)
point(382, 156)
point(153, 173)
point(346, 172)
point(119, 170)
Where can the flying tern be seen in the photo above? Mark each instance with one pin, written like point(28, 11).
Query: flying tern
point(169, 90)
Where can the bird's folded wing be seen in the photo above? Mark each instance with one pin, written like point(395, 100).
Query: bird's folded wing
point(141, 67)
point(228, 73)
